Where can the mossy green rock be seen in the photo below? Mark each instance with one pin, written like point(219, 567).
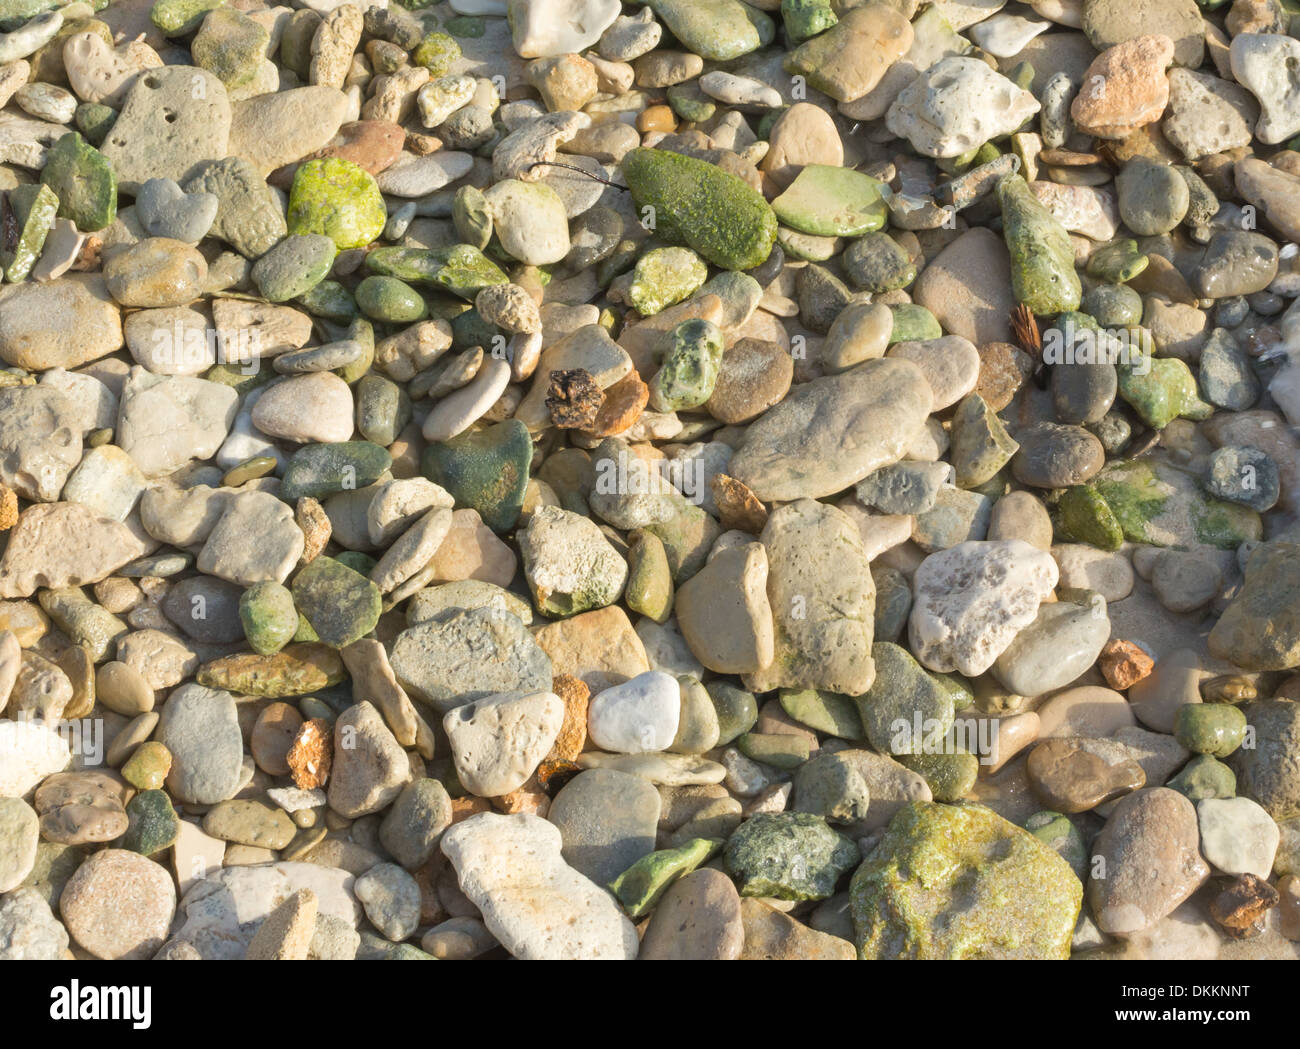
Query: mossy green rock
point(339, 199)
point(1087, 518)
point(152, 823)
point(437, 52)
point(1159, 505)
point(484, 469)
point(1160, 390)
point(293, 267)
point(383, 409)
point(83, 180)
point(390, 300)
point(737, 710)
point(331, 300)
point(341, 605)
point(231, 46)
point(639, 887)
point(296, 670)
point(1119, 261)
point(178, 17)
point(716, 30)
point(905, 711)
point(649, 589)
point(949, 776)
point(1205, 776)
point(690, 367)
point(1043, 277)
point(829, 201)
point(806, 18)
point(828, 712)
point(913, 323)
point(789, 856)
point(695, 203)
point(460, 269)
point(664, 277)
point(269, 617)
point(1209, 728)
point(34, 208)
point(322, 469)
point(148, 765)
point(94, 120)
point(958, 882)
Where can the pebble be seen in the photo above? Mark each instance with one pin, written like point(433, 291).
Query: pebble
point(118, 905)
point(1237, 836)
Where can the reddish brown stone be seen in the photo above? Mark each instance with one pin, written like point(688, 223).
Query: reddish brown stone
point(624, 402)
point(574, 399)
point(1240, 908)
point(738, 507)
point(311, 755)
point(573, 731)
point(1123, 664)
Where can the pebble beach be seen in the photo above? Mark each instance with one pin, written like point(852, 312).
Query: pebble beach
point(692, 480)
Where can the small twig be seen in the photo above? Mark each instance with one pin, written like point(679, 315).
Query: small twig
point(580, 171)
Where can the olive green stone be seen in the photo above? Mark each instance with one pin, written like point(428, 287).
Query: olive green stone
point(737, 710)
point(876, 262)
point(981, 445)
point(249, 470)
point(1205, 777)
point(1113, 305)
point(383, 409)
point(484, 469)
point(949, 776)
point(828, 712)
point(472, 217)
point(296, 670)
point(34, 208)
point(1060, 835)
point(460, 269)
point(957, 882)
point(687, 537)
point(338, 199)
point(148, 765)
point(1087, 518)
point(331, 300)
point(437, 52)
point(639, 887)
point(778, 749)
point(94, 120)
point(1160, 505)
point(1160, 389)
point(905, 711)
point(1210, 728)
point(178, 17)
point(649, 589)
point(831, 786)
point(342, 605)
point(690, 103)
point(789, 856)
point(698, 204)
point(691, 362)
point(82, 620)
point(268, 615)
point(362, 332)
point(293, 267)
point(831, 201)
point(231, 46)
point(468, 27)
point(1043, 277)
point(152, 823)
point(249, 822)
point(82, 178)
point(664, 277)
point(319, 470)
point(913, 323)
point(806, 18)
point(893, 602)
point(1118, 262)
point(716, 30)
point(389, 299)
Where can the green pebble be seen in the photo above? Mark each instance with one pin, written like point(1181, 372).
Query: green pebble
point(178, 17)
point(1060, 835)
point(1210, 728)
point(362, 332)
point(338, 199)
point(472, 217)
point(828, 712)
point(437, 52)
point(296, 670)
point(484, 469)
point(716, 30)
point(1160, 390)
point(913, 323)
point(1043, 277)
point(1086, 517)
point(341, 604)
point(322, 469)
point(806, 18)
point(778, 749)
point(690, 367)
point(1117, 262)
point(831, 786)
point(34, 208)
point(649, 590)
point(94, 120)
point(903, 695)
point(468, 27)
point(981, 445)
point(737, 710)
point(331, 300)
point(248, 470)
point(690, 103)
point(828, 201)
point(269, 617)
point(1113, 305)
point(383, 409)
point(949, 776)
point(148, 765)
point(664, 277)
point(391, 300)
point(789, 856)
point(1204, 777)
point(639, 887)
point(152, 823)
point(293, 267)
point(460, 269)
point(876, 262)
point(82, 178)
point(231, 46)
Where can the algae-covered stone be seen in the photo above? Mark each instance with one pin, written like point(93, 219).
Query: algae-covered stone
point(437, 52)
point(82, 178)
point(268, 615)
point(319, 470)
point(231, 45)
point(690, 367)
point(828, 712)
point(1043, 277)
point(147, 767)
point(906, 710)
point(339, 199)
point(34, 209)
point(341, 605)
point(830, 201)
point(981, 445)
point(296, 670)
point(1087, 518)
point(1204, 777)
point(390, 300)
point(152, 823)
point(716, 30)
point(178, 17)
point(831, 786)
point(1160, 505)
point(484, 469)
point(789, 856)
point(569, 564)
point(806, 18)
point(1260, 629)
point(664, 277)
point(913, 323)
point(1160, 389)
point(957, 882)
point(949, 776)
point(695, 203)
point(460, 269)
point(639, 887)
